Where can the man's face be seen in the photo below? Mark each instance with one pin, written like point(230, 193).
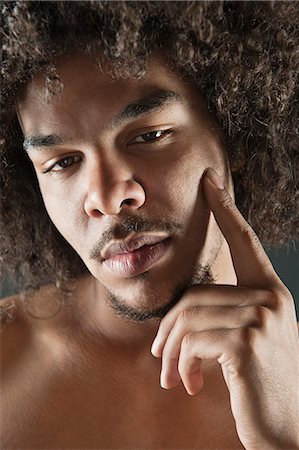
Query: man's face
point(119, 164)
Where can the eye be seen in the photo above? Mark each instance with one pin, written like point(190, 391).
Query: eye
point(151, 136)
point(63, 164)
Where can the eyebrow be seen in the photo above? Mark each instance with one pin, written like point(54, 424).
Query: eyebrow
point(153, 102)
point(40, 140)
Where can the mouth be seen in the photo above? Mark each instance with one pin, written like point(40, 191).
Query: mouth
point(127, 259)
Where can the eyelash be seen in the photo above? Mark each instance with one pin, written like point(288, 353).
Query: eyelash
point(66, 158)
point(162, 135)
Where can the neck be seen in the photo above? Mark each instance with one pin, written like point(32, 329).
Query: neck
point(100, 322)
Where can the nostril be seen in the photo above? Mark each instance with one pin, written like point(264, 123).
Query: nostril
point(128, 201)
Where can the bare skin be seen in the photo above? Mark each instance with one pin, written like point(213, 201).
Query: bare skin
point(86, 378)
point(63, 390)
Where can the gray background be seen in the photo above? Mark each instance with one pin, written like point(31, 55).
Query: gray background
point(286, 264)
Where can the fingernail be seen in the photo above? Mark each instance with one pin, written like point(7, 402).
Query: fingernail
point(155, 348)
point(169, 380)
point(163, 381)
point(215, 179)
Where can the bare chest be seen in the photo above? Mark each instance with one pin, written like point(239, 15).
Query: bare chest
point(104, 413)
point(53, 397)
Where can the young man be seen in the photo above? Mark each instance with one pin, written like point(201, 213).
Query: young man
point(131, 143)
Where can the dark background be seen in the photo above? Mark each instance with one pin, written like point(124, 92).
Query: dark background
point(284, 260)
point(286, 264)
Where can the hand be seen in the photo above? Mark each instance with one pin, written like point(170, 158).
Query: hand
point(250, 328)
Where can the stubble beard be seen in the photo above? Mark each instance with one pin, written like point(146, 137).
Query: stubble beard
point(201, 275)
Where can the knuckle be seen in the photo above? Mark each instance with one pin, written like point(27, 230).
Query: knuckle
point(268, 297)
point(226, 200)
point(263, 315)
point(243, 341)
point(249, 236)
point(180, 324)
point(283, 296)
point(185, 316)
point(183, 367)
point(163, 322)
point(188, 342)
point(278, 297)
point(259, 315)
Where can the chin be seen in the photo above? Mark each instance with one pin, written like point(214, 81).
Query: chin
point(144, 299)
point(145, 305)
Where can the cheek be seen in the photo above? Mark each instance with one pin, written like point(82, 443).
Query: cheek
point(63, 208)
point(176, 186)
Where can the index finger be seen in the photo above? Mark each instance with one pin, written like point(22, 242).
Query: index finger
point(252, 265)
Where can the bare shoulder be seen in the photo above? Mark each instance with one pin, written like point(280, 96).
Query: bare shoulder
point(14, 342)
point(23, 318)
point(31, 353)
point(14, 330)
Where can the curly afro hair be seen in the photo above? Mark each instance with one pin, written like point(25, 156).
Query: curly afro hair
point(242, 55)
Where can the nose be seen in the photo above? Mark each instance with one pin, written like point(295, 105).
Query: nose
point(110, 188)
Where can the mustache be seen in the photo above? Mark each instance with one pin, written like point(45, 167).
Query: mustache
point(133, 224)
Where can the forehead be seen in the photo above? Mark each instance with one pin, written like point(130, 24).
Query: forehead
point(91, 99)
point(81, 74)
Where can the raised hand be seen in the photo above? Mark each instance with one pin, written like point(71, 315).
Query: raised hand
point(250, 329)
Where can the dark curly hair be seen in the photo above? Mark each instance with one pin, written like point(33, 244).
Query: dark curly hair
point(242, 55)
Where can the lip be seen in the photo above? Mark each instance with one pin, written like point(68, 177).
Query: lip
point(118, 248)
point(130, 258)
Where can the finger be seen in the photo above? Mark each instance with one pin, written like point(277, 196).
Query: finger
point(208, 295)
point(252, 266)
point(202, 319)
point(192, 375)
point(211, 344)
